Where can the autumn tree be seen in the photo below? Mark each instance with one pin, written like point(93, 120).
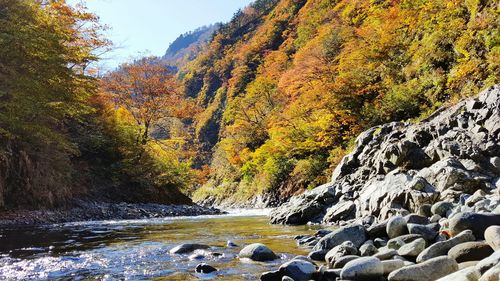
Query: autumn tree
point(46, 48)
point(149, 91)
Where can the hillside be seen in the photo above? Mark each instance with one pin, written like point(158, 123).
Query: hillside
point(185, 47)
point(287, 85)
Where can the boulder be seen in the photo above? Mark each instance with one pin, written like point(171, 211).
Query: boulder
point(346, 248)
point(344, 210)
point(364, 268)
point(442, 248)
point(431, 269)
point(466, 274)
point(257, 252)
point(318, 255)
point(298, 270)
point(205, 268)
point(476, 222)
point(425, 210)
point(380, 242)
point(492, 236)
point(367, 249)
point(400, 168)
point(470, 251)
point(340, 262)
point(305, 207)
point(485, 264)
point(441, 208)
point(356, 234)
point(416, 219)
point(396, 226)
point(412, 249)
point(493, 274)
point(385, 254)
point(187, 248)
point(428, 232)
point(271, 276)
point(377, 230)
point(396, 243)
point(392, 265)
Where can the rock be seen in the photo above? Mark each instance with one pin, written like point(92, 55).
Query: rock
point(416, 219)
point(298, 270)
point(356, 234)
point(470, 251)
point(392, 265)
point(428, 232)
point(400, 168)
point(367, 250)
point(231, 244)
point(340, 262)
point(304, 208)
point(473, 221)
point(431, 269)
point(205, 268)
point(466, 274)
point(346, 248)
point(485, 264)
point(442, 248)
point(466, 264)
point(304, 258)
point(386, 254)
point(344, 210)
point(326, 274)
point(412, 249)
point(197, 256)
point(377, 230)
point(476, 197)
point(271, 276)
point(306, 239)
point(322, 232)
point(493, 274)
point(364, 268)
point(441, 208)
point(318, 255)
point(435, 218)
point(257, 252)
point(492, 236)
point(187, 248)
point(425, 210)
point(396, 243)
point(396, 226)
point(379, 242)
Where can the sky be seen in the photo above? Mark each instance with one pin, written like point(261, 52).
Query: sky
point(147, 27)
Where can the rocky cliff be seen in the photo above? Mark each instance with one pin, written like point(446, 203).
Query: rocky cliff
point(396, 168)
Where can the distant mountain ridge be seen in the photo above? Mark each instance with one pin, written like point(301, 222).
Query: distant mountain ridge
point(188, 45)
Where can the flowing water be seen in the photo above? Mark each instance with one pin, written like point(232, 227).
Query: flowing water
point(139, 249)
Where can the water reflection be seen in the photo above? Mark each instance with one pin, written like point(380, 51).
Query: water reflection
point(139, 249)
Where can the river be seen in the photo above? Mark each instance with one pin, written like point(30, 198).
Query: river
point(139, 249)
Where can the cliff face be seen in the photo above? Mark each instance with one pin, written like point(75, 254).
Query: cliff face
point(398, 167)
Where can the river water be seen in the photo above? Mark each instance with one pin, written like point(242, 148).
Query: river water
point(139, 249)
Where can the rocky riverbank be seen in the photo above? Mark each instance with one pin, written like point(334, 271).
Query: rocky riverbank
point(452, 156)
point(412, 202)
point(94, 211)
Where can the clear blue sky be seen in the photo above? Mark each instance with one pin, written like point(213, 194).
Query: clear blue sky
point(147, 27)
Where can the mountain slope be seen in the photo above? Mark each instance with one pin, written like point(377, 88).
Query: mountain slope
point(286, 85)
point(188, 45)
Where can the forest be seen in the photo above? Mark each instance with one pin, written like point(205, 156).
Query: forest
point(266, 107)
